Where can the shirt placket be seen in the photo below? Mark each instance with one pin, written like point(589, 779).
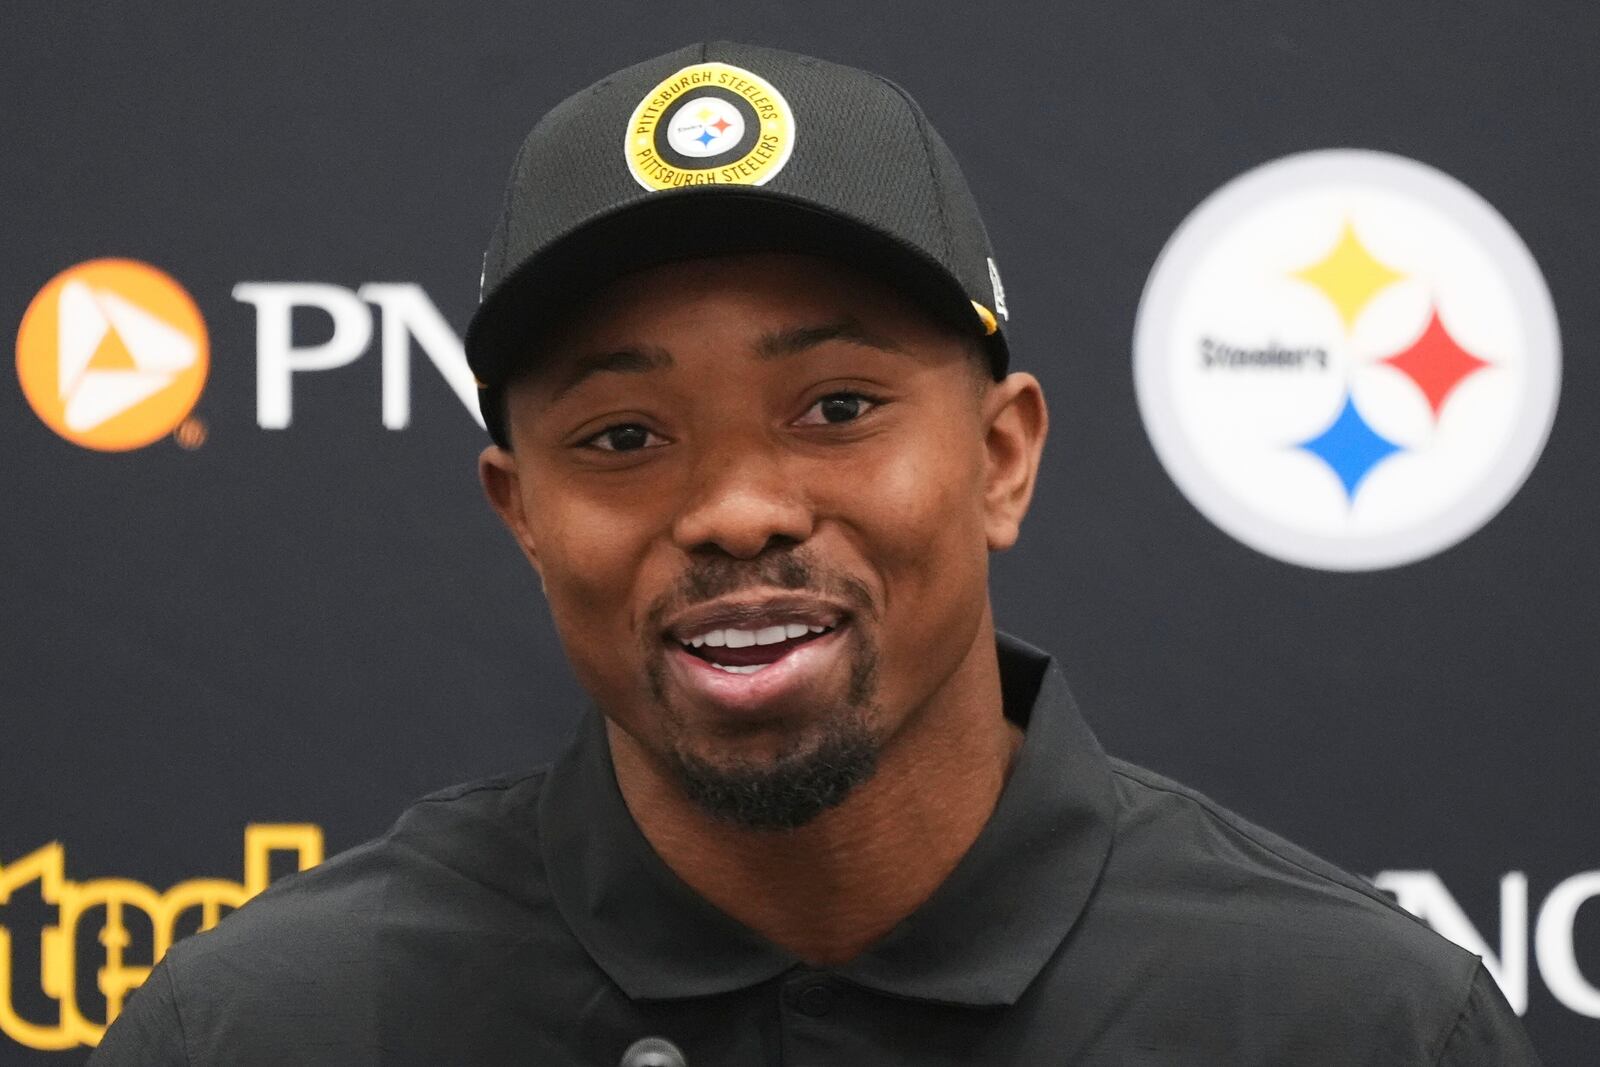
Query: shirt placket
point(812, 1008)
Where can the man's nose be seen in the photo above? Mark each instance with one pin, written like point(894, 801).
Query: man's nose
point(740, 502)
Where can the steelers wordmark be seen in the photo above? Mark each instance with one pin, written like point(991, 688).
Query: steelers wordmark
point(112, 354)
point(709, 124)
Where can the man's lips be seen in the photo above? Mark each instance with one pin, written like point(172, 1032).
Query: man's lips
point(753, 620)
point(742, 653)
point(801, 667)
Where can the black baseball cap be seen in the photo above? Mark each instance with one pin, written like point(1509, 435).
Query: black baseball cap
point(724, 148)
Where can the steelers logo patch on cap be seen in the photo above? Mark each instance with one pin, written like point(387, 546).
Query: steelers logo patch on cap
point(709, 124)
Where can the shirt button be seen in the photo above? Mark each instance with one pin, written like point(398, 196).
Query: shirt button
point(814, 1000)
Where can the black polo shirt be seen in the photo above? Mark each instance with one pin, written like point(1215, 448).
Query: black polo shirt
point(1105, 915)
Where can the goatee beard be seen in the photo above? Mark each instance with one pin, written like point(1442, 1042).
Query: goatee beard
point(789, 791)
point(839, 753)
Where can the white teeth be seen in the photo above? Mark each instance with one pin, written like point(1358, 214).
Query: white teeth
point(748, 669)
point(767, 635)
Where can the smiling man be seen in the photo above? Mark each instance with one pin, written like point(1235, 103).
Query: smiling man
point(743, 355)
point(761, 491)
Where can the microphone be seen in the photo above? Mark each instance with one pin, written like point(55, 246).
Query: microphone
point(653, 1052)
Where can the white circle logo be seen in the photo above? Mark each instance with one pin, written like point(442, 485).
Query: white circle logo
point(1347, 360)
point(705, 126)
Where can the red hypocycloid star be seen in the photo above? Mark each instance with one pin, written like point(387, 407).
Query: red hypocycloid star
point(1436, 363)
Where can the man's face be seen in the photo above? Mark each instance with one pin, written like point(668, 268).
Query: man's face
point(760, 493)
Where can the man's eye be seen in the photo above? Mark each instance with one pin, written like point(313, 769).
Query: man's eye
point(836, 408)
point(628, 437)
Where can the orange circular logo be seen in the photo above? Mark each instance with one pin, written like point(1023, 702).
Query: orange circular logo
point(112, 354)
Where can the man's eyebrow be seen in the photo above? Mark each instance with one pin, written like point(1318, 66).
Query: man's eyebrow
point(798, 339)
point(621, 361)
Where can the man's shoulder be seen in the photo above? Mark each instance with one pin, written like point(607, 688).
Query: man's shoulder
point(1201, 913)
point(462, 846)
point(1268, 906)
point(457, 878)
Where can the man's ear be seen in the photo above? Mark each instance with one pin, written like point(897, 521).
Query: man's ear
point(497, 470)
point(1017, 422)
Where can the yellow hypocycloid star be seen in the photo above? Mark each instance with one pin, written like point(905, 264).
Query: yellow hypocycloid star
point(1349, 275)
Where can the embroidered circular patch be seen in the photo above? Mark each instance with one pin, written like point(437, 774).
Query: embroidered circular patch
point(709, 124)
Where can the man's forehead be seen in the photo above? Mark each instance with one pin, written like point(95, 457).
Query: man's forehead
point(570, 367)
point(777, 302)
point(778, 284)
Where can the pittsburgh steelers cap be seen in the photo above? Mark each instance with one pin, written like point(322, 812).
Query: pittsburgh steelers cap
point(724, 148)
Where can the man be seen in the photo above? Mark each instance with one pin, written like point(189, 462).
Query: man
point(743, 354)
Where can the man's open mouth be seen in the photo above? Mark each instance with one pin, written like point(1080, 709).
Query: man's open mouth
point(740, 651)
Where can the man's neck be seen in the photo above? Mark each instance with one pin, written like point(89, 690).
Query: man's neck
point(828, 890)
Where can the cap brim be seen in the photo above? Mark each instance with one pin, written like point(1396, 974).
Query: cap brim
point(504, 336)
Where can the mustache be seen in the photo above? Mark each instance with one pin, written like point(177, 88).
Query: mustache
point(795, 570)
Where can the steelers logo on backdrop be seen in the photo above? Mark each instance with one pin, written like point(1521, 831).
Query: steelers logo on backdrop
point(1347, 360)
point(709, 124)
point(112, 354)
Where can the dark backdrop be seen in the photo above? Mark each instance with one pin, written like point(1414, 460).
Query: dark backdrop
point(316, 624)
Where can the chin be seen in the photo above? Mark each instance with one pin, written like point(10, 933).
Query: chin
point(782, 783)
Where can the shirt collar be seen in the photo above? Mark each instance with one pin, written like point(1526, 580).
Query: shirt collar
point(979, 940)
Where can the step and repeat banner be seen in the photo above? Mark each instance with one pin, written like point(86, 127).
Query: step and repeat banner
point(1312, 289)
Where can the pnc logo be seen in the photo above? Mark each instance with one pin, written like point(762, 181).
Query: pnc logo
point(112, 354)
